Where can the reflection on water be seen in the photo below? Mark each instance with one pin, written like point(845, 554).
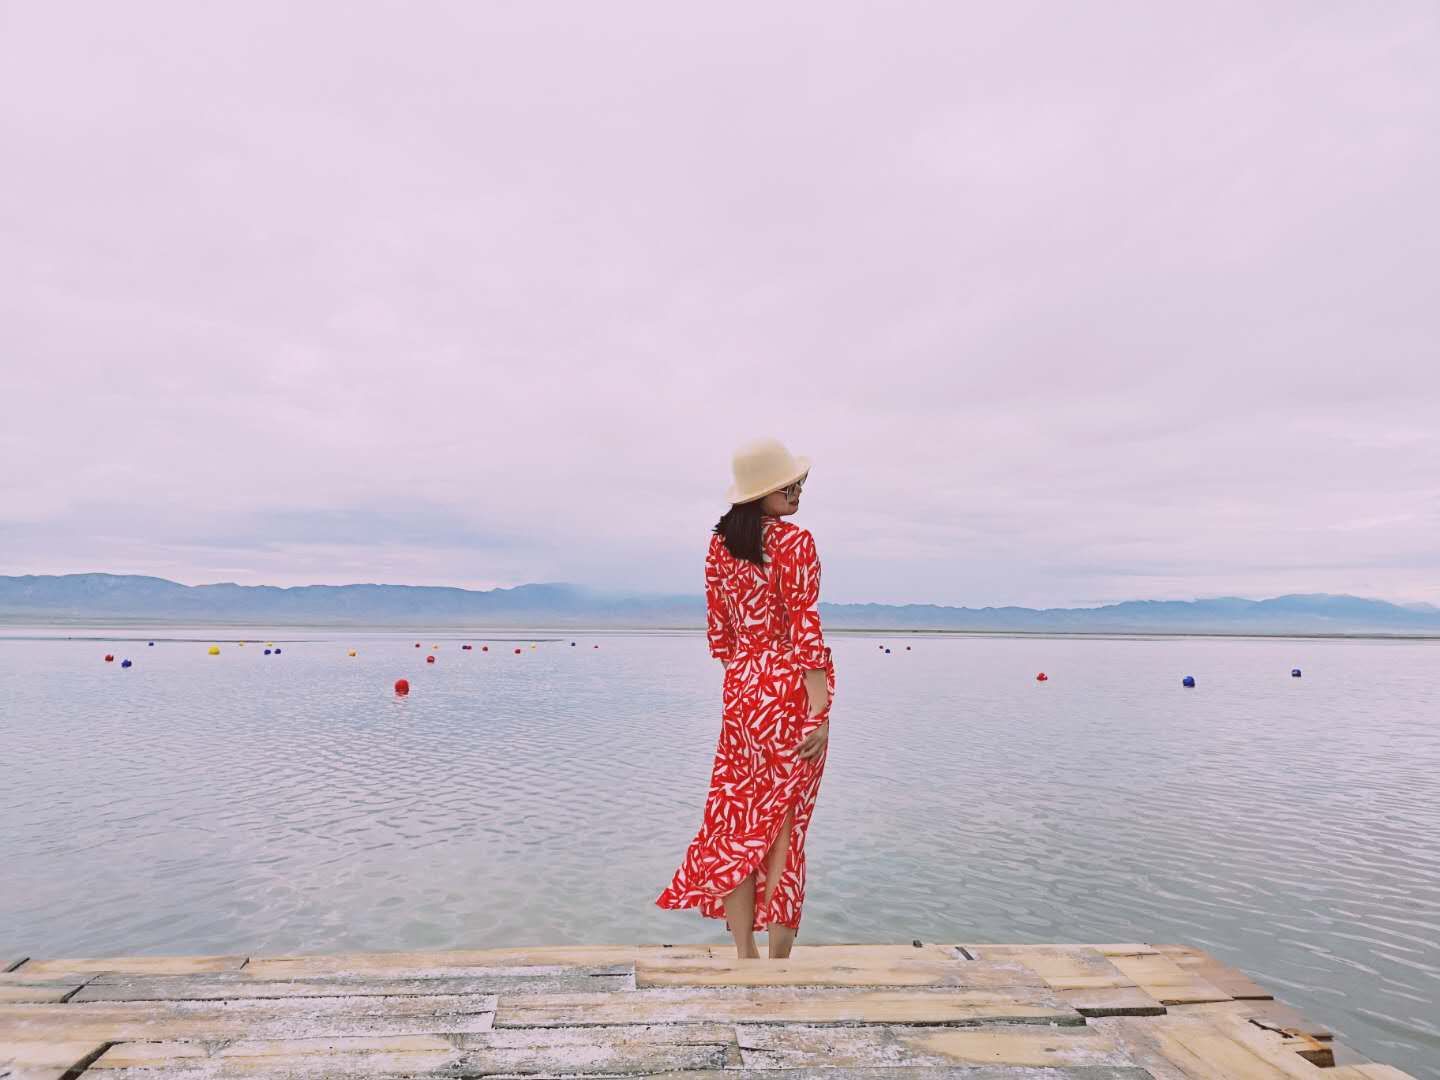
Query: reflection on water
point(196, 803)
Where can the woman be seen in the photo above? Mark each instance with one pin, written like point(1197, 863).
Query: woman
point(762, 587)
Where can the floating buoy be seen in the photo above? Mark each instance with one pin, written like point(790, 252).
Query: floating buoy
point(267, 652)
point(467, 647)
point(277, 652)
point(1188, 680)
point(1295, 673)
point(887, 652)
point(350, 653)
point(402, 687)
point(1042, 677)
point(214, 650)
point(417, 644)
point(532, 646)
point(109, 657)
point(572, 644)
point(151, 644)
point(484, 648)
point(907, 648)
point(240, 643)
point(517, 652)
point(269, 644)
point(597, 646)
point(429, 659)
point(124, 663)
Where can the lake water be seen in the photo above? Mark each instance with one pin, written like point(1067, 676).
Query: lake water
point(291, 803)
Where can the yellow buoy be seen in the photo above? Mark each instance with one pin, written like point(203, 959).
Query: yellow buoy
point(269, 644)
point(214, 650)
point(351, 653)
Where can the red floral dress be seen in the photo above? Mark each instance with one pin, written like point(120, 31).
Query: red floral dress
point(765, 625)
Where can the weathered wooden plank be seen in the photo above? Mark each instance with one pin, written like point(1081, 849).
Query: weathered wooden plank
point(764, 1004)
point(1294, 1052)
point(786, 1046)
point(1165, 981)
point(241, 985)
point(277, 1018)
point(440, 962)
point(38, 991)
point(923, 1072)
point(1229, 979)
point(1122, 1001)
point(877, 970)
point(25, 1060)
point(546, 1051)
point(560, 956)
point(1084, 978)
point(1120, 949)
point(135, 965)
point(1154, 1047)
point(1061, 968)
point(1271, 1013)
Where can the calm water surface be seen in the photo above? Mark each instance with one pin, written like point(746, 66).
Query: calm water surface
point(245, 803)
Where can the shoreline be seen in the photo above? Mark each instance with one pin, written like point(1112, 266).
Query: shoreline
point(268, 630)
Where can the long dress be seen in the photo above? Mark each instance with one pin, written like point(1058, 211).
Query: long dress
point(766, 625)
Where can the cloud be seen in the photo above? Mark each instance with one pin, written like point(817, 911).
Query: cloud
point(1067, 310)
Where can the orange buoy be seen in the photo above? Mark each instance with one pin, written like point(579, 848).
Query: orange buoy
point(109, 657)
point(429, 659)
point(350, 653)
point(402, 687)
point(1042, 677)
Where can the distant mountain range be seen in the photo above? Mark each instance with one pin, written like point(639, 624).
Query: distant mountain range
point(78, 597)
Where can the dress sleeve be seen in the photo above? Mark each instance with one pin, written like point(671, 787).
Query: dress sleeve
point(800, 590)
point(717, 627)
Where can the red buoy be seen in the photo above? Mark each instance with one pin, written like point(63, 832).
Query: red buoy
point(517, 652)
point(429, 659)
point(1042, 677)
point(417, 644)
point(402, 687)
point(111, 656)
point(484, 648)
point(465, 647)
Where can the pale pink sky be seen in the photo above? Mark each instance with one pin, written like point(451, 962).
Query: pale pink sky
point(1069, 303)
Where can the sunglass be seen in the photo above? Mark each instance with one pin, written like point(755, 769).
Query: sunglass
point(794, 489)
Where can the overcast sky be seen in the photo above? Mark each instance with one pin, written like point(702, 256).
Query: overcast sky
point(1069, 303)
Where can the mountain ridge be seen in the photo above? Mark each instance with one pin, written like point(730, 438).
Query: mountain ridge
point(136, 596)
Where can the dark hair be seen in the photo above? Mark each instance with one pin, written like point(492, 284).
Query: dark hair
point(740, 526)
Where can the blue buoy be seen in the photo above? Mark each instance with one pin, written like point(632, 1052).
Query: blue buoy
point(277, 652)
point(572, 644)
point(1295, 673)
point(1188, 680)
point(151, 644)
point(887, 652)
point(267, 652)
point(124, 663)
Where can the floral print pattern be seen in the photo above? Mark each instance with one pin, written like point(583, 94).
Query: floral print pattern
point(765, 625)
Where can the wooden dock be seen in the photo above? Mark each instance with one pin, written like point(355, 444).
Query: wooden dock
point(920, 1011)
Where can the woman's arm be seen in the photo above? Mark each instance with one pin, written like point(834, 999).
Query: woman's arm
point(800, 590)
point(717, 626)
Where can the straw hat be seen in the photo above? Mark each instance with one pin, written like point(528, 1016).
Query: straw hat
point(762, 466)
